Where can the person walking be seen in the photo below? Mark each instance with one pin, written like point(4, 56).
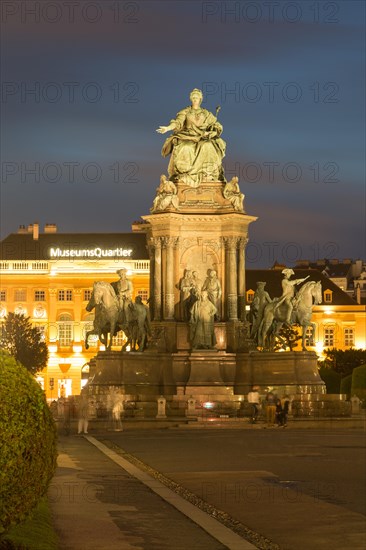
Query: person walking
point(254, 400)
point(83, 413)
point(285, 402)
point(270, 408)
point(279, 413)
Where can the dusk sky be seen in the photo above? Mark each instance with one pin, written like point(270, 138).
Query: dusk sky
point(85, 84)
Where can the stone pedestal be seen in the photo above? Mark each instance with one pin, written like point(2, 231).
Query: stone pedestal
point(297, 369)
point(204, 233)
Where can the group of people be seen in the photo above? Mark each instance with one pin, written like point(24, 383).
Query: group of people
point(276, 409)
point(191, 288)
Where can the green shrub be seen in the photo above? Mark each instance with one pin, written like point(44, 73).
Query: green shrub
point(331, 379)
point(346, 384)
point(359, 382)
point(28, 442)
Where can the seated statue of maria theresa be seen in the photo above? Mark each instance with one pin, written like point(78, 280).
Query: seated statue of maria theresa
point(195, 145)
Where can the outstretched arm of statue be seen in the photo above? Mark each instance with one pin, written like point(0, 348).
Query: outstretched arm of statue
point(164, 129)
point(298, 281)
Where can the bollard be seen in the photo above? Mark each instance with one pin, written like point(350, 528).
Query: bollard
point(161, 407)
point(191, 407)
point(355, 404)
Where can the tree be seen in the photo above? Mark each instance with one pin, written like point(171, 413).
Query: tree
point(287, 338)
point(24, 342)
point(343, 361)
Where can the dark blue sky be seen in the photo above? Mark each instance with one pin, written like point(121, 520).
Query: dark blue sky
point(289, 77)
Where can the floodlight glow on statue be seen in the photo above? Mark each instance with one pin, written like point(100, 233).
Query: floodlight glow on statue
point(195, 146)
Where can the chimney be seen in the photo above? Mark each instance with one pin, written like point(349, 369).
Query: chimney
point(50, 228)
point(30, 228)
point(35, 231)
point(22, 229)
point(358, 293)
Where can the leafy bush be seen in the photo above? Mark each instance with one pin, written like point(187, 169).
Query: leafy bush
point(359, 382)
point(331, 379)
point(28, 442)
point(346, 384)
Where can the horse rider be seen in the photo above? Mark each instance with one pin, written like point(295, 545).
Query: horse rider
point(123, 289)
point(288, 292)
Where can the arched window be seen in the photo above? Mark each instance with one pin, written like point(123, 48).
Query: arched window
point(65, 332)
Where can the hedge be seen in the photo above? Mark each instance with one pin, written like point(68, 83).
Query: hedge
point(28, 442)
point(346, 384)
point(359, 382)
point(331, 379)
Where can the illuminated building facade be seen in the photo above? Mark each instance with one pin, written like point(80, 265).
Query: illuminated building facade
point(49, 277)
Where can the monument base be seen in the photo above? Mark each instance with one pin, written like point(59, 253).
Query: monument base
point(206, 381)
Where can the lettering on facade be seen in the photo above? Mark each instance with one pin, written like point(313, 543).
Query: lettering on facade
point(90, 253)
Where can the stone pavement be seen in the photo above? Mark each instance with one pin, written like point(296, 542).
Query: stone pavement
point(99, 501)
point(97, 505)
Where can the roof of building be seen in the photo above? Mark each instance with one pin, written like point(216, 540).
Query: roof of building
point(273, 278)
point(22, 246)
point(331, 268)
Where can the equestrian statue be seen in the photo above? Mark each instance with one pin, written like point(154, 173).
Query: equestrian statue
point(289, 309)
point(115, 311)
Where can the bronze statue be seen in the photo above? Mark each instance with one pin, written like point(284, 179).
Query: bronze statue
point(195, 146)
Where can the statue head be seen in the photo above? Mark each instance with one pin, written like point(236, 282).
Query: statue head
point(122, 272)
point(261, 284)
point(138, 299)
point(287, 272)
point(197, 94)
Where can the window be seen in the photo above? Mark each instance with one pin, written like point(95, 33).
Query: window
point(89, 325)
point(2, 295)
point(329, 337)
point(250, 296)
point(65, 330)
point(65, 295)
point(349, 337)
point(308, 340)
point(39, 295)
point(87, 295)
point(328, 296)
point(144, 293)
point(119, 339)
point(20, 295)
point(42, 330)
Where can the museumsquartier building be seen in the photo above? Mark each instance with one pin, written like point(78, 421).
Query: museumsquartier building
point(48, 276)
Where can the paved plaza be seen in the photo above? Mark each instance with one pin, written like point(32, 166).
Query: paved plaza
point(164, 488)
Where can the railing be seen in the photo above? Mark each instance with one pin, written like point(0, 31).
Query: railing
point(24, 266)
